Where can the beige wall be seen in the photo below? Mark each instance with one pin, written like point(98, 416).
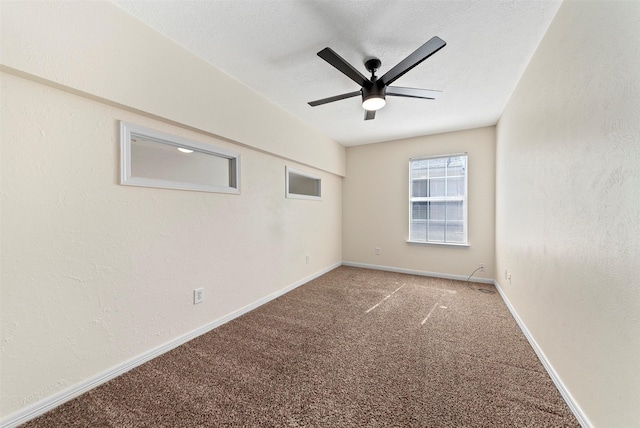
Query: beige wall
point(98, 49)
point(94, 274)
point(568, 205)
point(376, 205)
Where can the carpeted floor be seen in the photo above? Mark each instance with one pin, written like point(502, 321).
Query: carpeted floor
point(353, 348)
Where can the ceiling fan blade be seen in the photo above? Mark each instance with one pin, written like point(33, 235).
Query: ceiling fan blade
point(422, 53)
point(369, 114)
point(334, 98)
point(343, 66)
point(399, 91)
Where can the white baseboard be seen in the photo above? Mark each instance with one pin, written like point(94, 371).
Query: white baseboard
point(49, 403)
point(566, 395)
point(56, 400)
point(419, 272)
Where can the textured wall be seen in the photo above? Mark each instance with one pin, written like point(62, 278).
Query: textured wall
point(94, 273)
point(568, 205)
point(97, 48)
point(376, 204)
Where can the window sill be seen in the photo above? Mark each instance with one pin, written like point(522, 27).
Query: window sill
point(446, 244)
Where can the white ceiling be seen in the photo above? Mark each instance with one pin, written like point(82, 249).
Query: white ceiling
point(271, 46)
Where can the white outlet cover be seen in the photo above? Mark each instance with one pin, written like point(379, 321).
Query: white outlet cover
point(198, 296)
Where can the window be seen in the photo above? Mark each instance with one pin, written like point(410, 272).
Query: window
point(301, 185)
point(151, 158)
point(438, 200)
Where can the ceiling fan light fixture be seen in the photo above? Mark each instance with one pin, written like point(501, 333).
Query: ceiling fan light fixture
point(373, 103)
point(374, 89)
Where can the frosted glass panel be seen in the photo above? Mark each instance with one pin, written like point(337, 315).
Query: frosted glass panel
point(151, 158)
point(301, 185)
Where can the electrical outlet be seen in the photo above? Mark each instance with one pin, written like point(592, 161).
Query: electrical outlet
point(378, 251)
point(506, 274)
point(198, 296)
point(481, 267)
point(307, 259)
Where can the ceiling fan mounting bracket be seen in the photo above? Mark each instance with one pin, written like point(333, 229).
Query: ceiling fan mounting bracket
point(372, 65)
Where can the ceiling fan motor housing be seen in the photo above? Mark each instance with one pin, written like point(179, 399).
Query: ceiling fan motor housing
point(374, 90)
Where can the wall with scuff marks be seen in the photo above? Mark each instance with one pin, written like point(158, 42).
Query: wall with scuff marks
point(568, 205)
point(94, 274)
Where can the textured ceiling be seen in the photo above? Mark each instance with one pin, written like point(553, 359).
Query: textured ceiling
point(271, 46)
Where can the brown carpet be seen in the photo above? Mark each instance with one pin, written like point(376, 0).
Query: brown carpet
point(434, 353)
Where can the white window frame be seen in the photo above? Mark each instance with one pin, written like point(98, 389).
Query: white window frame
point(291, 195)
point(464, 199)
point(129, 131)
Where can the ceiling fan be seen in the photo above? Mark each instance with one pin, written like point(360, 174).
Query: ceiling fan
point(375, 89)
